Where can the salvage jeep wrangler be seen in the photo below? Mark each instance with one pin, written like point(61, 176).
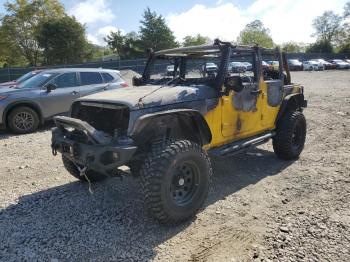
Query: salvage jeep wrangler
point(165, 127)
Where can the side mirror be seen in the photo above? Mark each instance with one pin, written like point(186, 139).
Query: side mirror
point(234, 83)
point(50, 87)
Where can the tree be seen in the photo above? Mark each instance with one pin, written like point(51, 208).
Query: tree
point(22, 21)
point(115, 41)
point(195, 40)
point(154, 33)
point(255, 33)
point(344, 39)
point(347, 10)
point(345, 49)
point(327, 27)
point(321, 46)
point(96, 52)
point(62, 40)
point(126, 46)
point(292, 47)
point(10, 54)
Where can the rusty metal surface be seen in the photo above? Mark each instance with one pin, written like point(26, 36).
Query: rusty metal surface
point(274, 92)
point(244, 100)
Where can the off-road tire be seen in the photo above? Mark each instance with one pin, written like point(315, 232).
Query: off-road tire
point(165, 168)
point(73, 170)
point(290, 138)
point(28, 115)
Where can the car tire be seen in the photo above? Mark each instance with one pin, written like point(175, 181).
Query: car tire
point(175, 180)
point(23, 120)
point(73, 170)
point(289, 140)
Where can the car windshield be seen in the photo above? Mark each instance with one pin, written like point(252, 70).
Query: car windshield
point(25, 77)
point(37, 81)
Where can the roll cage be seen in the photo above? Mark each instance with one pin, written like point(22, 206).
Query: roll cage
point(221, 50)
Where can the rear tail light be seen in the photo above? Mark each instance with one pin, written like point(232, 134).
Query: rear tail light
point(124, 85)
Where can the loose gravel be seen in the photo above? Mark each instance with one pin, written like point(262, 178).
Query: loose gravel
point(259, 208)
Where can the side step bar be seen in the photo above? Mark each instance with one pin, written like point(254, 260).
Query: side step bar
point(238, 146)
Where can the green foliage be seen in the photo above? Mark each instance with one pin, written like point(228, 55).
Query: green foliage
point(10, 53)
point(255, 33)
point(332, 32)
point(21, 22)
point(292, 47)
point(154, 32)
point(327, 26)
point(347, 10)
point(96, 52)
point(195, 40)
point(345, 49)
point(126, 46)
point(62, 40)
point(321, 46)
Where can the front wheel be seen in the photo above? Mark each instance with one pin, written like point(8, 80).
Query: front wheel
point(23, 120)
point(290, 137)
point(175, 179)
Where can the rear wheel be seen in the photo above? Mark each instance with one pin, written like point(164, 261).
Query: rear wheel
point(290, 138)
point(175, 179)
point(23, 120)
point(73, 170)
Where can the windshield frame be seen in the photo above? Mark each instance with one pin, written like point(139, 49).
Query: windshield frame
point(182, 54)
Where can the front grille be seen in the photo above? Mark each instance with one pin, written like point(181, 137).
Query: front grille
point(103, 117)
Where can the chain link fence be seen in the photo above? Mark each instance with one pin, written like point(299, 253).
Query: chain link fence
point(138, 65)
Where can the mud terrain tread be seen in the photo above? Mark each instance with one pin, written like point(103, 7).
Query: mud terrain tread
point(282, 144)
point(153, 169)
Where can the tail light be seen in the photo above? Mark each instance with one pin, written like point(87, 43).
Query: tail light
point(124, 85)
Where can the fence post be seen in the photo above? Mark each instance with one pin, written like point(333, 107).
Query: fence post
point(8, 72)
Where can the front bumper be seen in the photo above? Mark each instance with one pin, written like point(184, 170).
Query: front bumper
point(104, 156)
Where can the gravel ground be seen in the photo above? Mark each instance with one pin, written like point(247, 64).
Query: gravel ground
point(259, 208)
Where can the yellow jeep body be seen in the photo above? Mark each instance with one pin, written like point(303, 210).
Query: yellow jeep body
point(228, 124)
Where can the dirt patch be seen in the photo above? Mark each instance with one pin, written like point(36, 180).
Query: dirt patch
point(259, 208)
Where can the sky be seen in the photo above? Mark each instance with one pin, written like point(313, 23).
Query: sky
point(288, 20)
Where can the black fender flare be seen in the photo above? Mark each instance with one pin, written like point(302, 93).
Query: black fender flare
point(170, 115)
point(294, 101)
point(26, 103)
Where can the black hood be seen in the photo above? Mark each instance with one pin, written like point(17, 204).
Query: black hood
point(153, 95)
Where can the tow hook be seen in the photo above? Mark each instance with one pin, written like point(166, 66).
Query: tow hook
point(83, 170)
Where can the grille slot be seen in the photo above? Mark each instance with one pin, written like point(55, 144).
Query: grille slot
point(103, 117)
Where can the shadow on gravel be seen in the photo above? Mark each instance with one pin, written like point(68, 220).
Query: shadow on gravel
point(68, 223)
point(5, 134)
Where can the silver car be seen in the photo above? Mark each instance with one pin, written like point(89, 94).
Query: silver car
point(51, 92)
